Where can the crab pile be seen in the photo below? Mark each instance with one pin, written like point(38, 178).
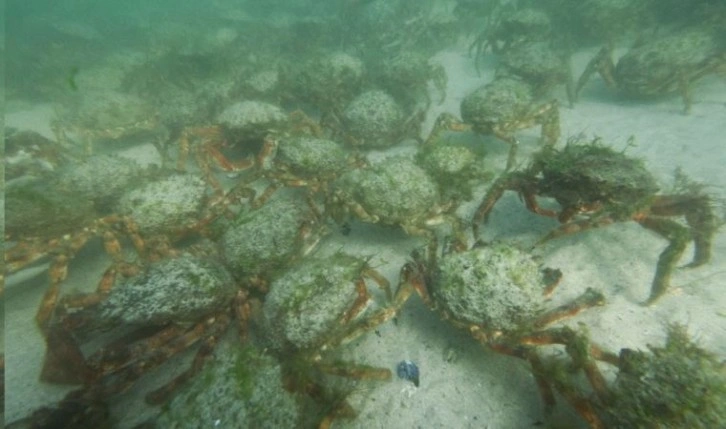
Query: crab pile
point(236, 251)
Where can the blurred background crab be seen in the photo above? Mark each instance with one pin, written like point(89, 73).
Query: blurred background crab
point(508, 28)
point(542, 66)
point(662, 64)
point(407, 75)
point(99, 116)
point(596, 186)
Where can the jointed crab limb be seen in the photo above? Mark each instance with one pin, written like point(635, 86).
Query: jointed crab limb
point(217, 326)
point(678, 238)
point(445, 122)
point(360, 372)
point(602, 63)
point(67, 247)
point(209, 149)
point(152, 352)
point(513, 180)
point(64, 362)
point(590, 298)
point(580, 351)
point(366, 324)
point(207, 152)
point(700, 218)
point(582, 405)
point(543, 377)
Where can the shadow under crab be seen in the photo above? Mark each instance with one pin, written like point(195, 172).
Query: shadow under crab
point(596, 186)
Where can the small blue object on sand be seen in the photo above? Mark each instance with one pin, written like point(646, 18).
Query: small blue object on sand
point(408, 371)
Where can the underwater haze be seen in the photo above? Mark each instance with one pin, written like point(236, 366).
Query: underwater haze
point(364, 214)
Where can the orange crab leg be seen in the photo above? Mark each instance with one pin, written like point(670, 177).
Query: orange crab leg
point(381, 281)
point(360, 372)
point(360, 302)
point(216, 326)
point(590, 298)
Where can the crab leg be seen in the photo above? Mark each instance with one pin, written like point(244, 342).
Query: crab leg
point(590, 298)
point(678, 237)
point(510, 181)
point(360, 372)
point(700, 218)
point(154, 351)
point(575, 227)
point(216, 328)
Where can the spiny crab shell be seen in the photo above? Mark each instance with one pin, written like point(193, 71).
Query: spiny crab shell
point(307, 303)
point(393, 192)
point(495, 285)
point(595, 172)
point(502, 100)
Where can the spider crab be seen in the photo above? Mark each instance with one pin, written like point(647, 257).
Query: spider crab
point(309, 312)
point(106, 116)
point(597, 186)
point(393, 192)
point(664, 65)
point(508, 29)
point(502, 107)
point(300, 162)
point(156, 312)
point(241, 127)
point(497, 292)
point(32, 235)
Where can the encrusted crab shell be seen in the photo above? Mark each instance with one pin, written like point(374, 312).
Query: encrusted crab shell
point(504, 99)
point(496, 285)
point(263, 241)
point(306, 303)
point(374, 119)
point(312, 156)
point(167, 205)
point(656, 67)
point(595, 172)
point(177, 289)
point(395, 191)
point(251, 118)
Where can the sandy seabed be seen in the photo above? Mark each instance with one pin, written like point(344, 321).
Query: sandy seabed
point(462, 384)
